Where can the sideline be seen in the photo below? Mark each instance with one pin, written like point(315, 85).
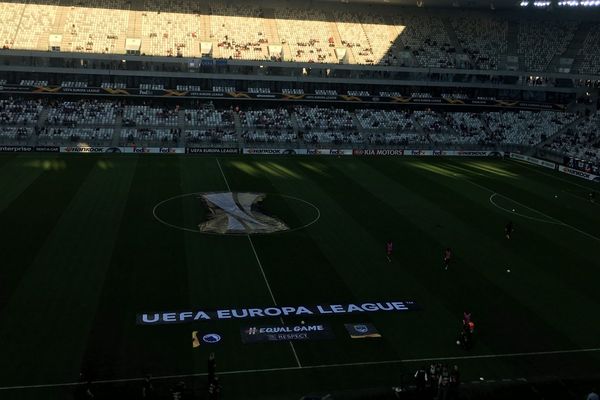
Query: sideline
point(321, 366)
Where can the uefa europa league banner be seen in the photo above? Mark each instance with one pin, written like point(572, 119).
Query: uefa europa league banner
point(179, 317)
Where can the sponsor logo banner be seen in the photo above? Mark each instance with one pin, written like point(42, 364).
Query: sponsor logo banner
point(418, 152)
point(533, 160)
point(362, 330)
point(273, 151)
point(130, 150)
point(212, 150)
point(47, 149)
point(261, 334)
point(179, 317)
point(16, 149)
point(329, 152)
point(473, 153)
point(152, 150)
point(83, 149)
point(578, 173)
point(170, 150)
point(378, 152)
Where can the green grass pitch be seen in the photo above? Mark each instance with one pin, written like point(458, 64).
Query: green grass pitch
point(82, 254)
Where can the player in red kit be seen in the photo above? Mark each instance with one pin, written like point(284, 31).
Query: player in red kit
point(389, 248)
point(447, 257)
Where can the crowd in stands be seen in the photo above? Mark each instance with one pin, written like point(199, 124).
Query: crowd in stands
point(482, 37)
point(19, 111)
point(590, 52)
point(267, 126)
point(147, 115)
point(525, 127)
point(303, 33)
point(110, 122)
point(425, 37)
point(326, 125)
point(581, 140)
point(83, 112)
point(150, 136)
point(65, 135)
point(212, 135)
point(540, 41)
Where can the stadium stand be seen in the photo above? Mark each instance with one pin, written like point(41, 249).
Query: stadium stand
point(150, 116)
point(540, 41)
point(482, 38)
point(581, 140)
point(267, 125)
point(277, 32)
point(83, 112)
point(590, 52)
point(525, 127)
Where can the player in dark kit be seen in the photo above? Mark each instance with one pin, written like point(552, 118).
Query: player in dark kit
point(389, 249)
point(447, 257)
point(508, 229)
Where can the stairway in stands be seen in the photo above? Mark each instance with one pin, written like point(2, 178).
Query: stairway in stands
point(573, 49)
point(134, 27)
point(550, 139)
point(117, 131)
point(40, 124)
point(454, 42)
point(512, 39)
point(577, 43)
point(58, 28)
point(270, 23)
point(361, 129)
point(337, 39)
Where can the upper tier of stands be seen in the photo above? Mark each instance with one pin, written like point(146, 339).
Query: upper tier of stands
point(315, 33)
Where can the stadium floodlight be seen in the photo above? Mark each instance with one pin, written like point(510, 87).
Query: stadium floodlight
point(541, 3)
point(524, 4)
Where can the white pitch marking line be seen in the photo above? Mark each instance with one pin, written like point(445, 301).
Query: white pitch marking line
point(534, 210)
point(550, 175)
point(223, 174)
point(519, 214)
point(262, 271)
point(321, 366)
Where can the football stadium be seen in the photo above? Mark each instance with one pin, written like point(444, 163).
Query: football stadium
point(271, 199)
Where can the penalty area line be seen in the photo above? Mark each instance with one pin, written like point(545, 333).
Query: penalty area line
point(559, 222)
point(320, 366)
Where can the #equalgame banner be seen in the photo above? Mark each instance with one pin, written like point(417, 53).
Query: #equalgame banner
point(279, 333)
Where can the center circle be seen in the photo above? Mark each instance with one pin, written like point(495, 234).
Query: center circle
point(236, 213)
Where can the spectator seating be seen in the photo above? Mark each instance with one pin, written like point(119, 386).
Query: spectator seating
point(482, 37)
point(539, 41)
point(590, 52)
point(150, 116)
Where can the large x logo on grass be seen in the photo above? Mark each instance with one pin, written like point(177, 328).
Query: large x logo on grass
point(238, 213)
